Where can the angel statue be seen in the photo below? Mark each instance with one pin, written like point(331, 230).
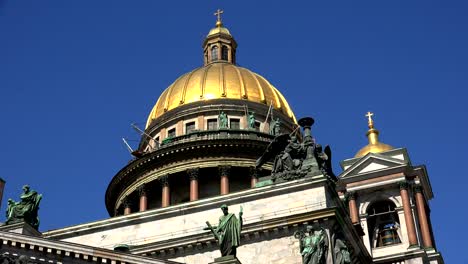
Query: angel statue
point(313, 244)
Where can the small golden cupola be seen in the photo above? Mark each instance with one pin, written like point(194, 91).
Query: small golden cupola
point(219, 45)
point(374, 145)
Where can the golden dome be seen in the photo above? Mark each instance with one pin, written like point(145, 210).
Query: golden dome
point(219, 30)
point(374, 145)
point(219, 80)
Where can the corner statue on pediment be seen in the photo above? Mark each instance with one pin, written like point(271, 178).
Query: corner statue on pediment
point(26, 210)
point(227, 233)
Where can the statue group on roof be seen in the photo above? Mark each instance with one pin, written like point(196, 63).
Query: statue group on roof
point(26, 210)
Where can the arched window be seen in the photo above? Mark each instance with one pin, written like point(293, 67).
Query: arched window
point(214, 53)
point(224, 53)
point(383, 224)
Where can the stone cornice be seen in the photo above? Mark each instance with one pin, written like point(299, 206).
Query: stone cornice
point(63, 250)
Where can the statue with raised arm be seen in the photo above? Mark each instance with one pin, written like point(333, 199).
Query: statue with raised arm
point(228, 231)
point(222, 120)
point(25, 210)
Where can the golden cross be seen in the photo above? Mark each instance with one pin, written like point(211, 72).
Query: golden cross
point(218, 14)
point(369, 116)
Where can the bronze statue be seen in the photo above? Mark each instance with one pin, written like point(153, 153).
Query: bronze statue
point(324, 161)
point(342, 255)
point(222, 120)
point(25, 210)
point(251, 120)
point(275, 127)
point(313, 245)
point(227, 232)
point(291, 157)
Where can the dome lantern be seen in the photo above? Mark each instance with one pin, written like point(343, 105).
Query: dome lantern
point(219, 45)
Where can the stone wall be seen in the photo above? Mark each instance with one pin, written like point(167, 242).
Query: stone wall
point(277, 250)
point(156, 226)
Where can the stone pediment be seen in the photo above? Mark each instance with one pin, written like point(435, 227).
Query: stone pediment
point(372, 162)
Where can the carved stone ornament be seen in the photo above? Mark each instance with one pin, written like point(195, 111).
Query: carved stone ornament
point(418, 188)
point(164, 180)
point(126, 202)
point(193, 173)
point(350, 196)
point(142, 190)
point(224, 170)
point(403, 185)
point(253, 172)
point(9, 259)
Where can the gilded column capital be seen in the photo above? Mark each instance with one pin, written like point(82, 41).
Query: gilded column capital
point(253, 172)
point(224, 170)
point(126, 202)
point(418, 188)
point(193, 173)
point(142, 190)
point(164, 180)
point(403, 185)
point(350, 195)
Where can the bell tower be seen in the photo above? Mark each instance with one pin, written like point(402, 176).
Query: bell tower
point(388, 199)
point(219, 44)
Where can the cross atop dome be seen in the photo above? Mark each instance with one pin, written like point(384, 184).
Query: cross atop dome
point(370, 121)
point(218, 13)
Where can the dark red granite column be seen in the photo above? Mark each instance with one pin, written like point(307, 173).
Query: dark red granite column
point(353, 209)
point(166, 191)
point(224, 182)
point(193, 175)
point(253, 176)
point(143, 198)
point(127, 206)
point(423, 218)
point(408, 214)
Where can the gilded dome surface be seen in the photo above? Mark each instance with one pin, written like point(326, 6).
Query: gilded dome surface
point(219, 30)
point(373, 148)
point(219, 80)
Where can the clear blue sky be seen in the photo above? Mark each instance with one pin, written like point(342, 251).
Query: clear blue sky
point(75, 74)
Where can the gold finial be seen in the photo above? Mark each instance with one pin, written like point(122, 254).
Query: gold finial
point(370, 121)
point(372, 134)
point(218, 14)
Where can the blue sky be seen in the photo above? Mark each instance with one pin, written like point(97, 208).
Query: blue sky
point(75, 74)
